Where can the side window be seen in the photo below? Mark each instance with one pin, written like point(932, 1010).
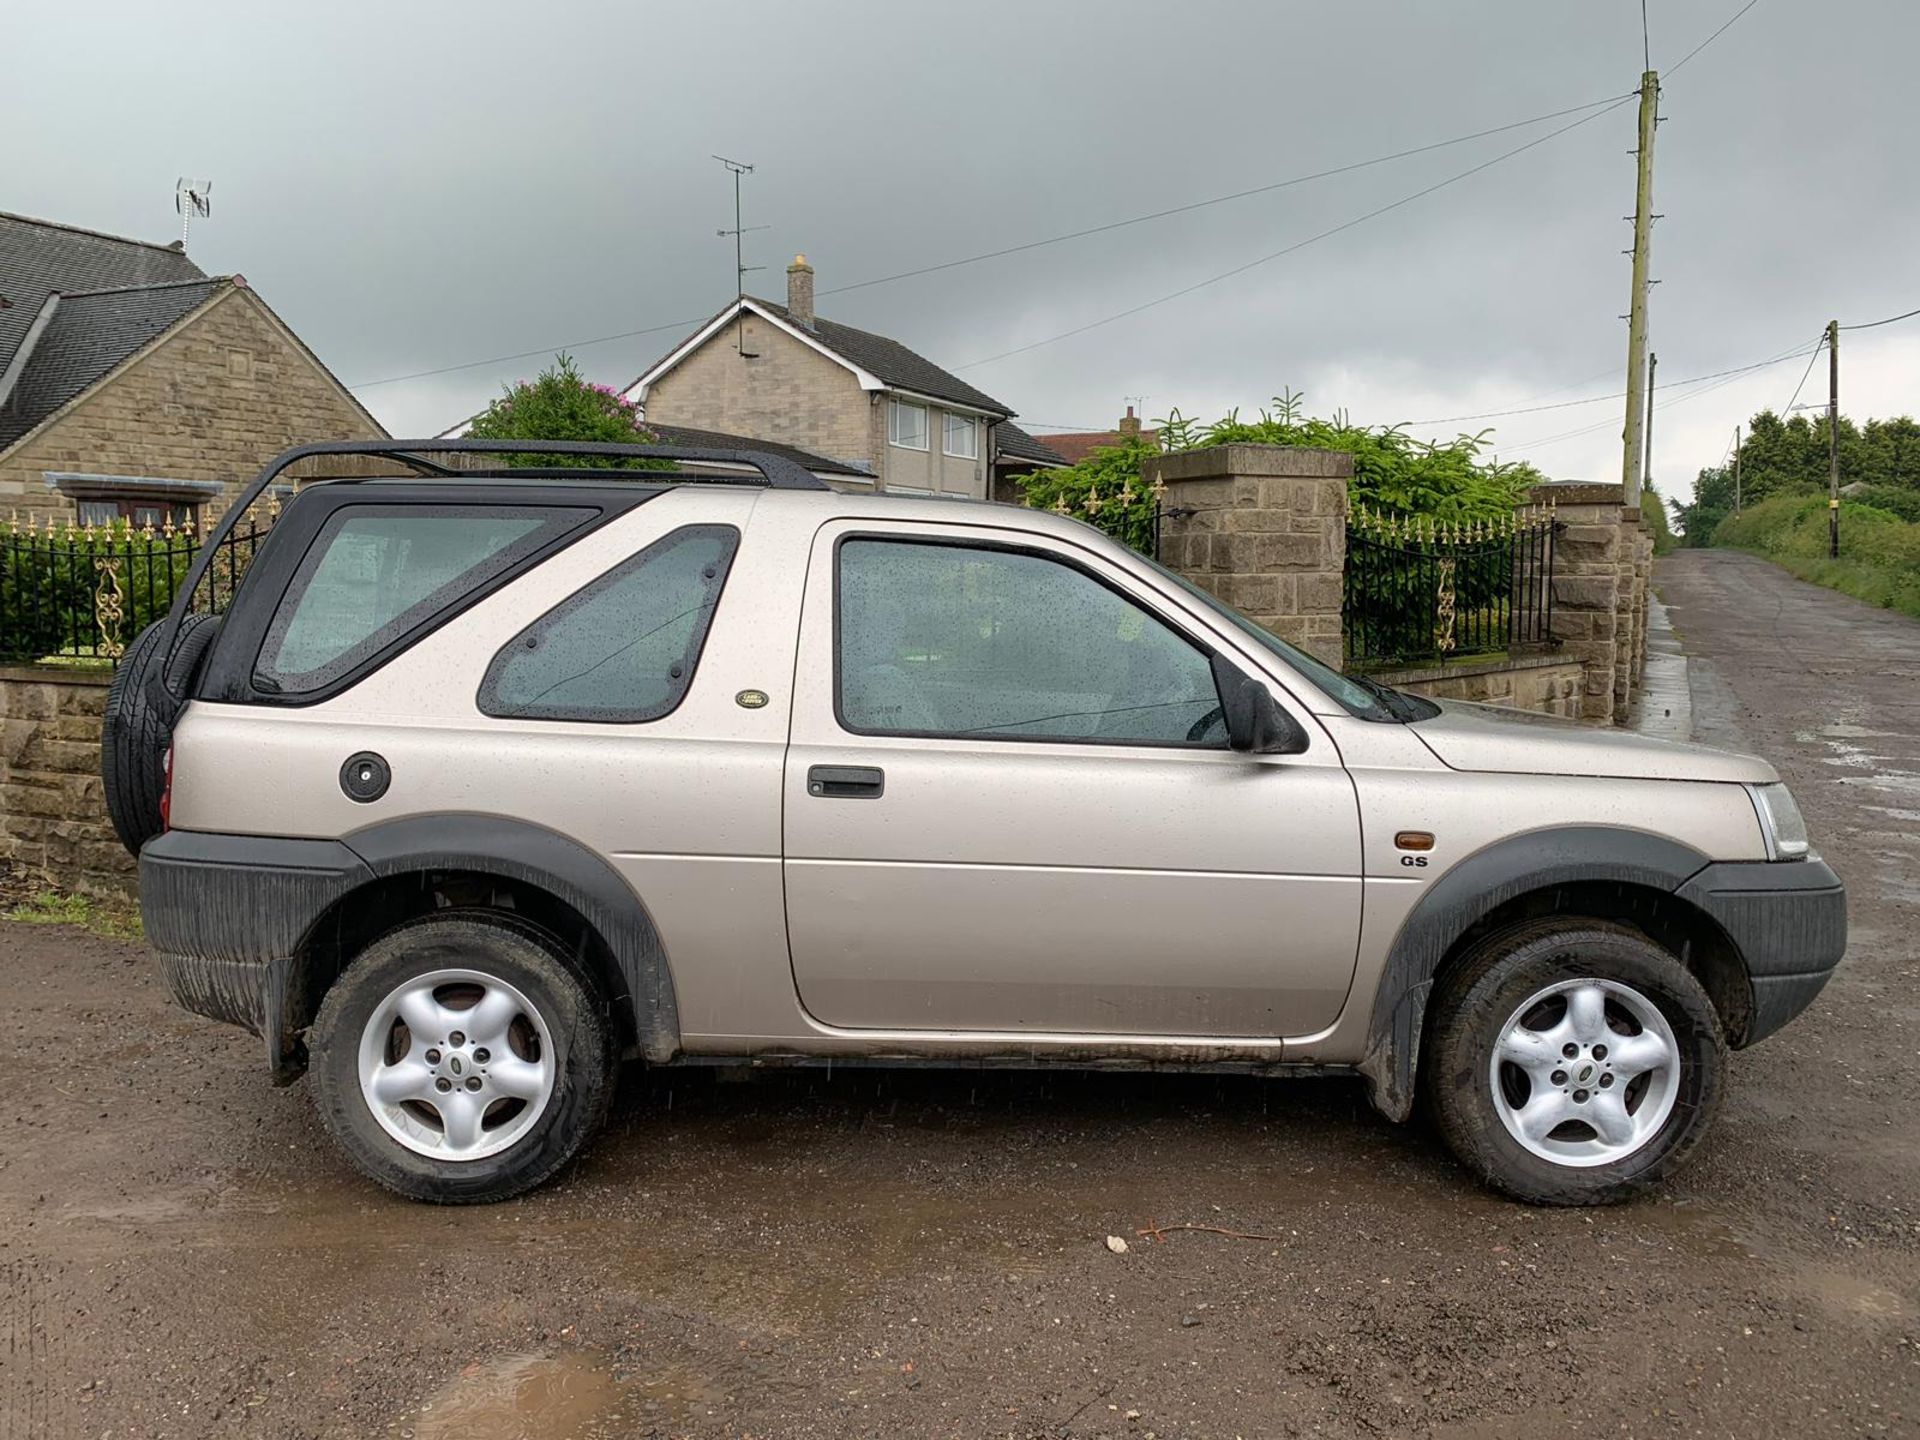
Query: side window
point(375, 572)
point(952, 640)
point(624, 648)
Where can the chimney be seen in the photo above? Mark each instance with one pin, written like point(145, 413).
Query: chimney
point(1130, 425)
point(800, 291)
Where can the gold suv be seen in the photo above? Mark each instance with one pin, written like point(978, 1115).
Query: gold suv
point(489, 778)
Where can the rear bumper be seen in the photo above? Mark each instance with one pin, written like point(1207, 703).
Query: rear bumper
point(228, 915)
point(1789, 922)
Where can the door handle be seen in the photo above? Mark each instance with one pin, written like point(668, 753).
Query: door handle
point(846, 782)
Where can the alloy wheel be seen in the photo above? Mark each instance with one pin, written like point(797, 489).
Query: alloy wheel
point(1585, 1072)
point(456, 1064)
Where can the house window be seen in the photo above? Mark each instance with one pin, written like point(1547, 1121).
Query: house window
point(907, 425)
point(138, 513)
point(963, 437)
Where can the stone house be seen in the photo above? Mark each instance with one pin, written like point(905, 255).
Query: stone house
point(785, 374)
point(134, 385)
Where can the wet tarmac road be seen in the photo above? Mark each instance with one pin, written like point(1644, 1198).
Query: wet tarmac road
point(907, 1254)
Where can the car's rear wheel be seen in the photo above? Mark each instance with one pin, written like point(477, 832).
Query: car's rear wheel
point(462, 1058)
point(1573, 1062)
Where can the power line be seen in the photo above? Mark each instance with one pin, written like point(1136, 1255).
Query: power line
point(524, 354)
point(1596, 399)
point(1713, 37)
point(1298, 244)
point(1888, 321)
point(1803, 378)
point(1720, 379)
point(1029, 245)
point(1220, 199)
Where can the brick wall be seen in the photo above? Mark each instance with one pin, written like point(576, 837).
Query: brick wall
point(214, 401)
point(53, 821)
point(788, 393)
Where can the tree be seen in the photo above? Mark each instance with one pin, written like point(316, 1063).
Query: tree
point(1789, 457)
point(559, 405)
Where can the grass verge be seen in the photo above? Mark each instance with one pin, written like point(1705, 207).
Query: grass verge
point(51, 907)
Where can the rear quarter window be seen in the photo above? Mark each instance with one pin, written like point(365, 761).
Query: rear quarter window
point(375, 573)
point(622, 649)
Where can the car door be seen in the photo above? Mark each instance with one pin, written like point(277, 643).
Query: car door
point(1009, 805)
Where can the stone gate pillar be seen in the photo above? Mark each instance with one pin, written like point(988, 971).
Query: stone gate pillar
point(1601, 561)
point(1264, 528)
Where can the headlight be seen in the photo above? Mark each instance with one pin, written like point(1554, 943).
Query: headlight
point(1780, 822)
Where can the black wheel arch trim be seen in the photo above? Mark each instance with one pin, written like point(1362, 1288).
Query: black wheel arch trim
point(520, 850)
point(230, 916)
point(1467, 893)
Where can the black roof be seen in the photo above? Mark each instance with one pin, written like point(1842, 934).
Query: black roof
point(888, 359)
point(88, 334)
point(716, 440)
point(38, 257)
point(1010, 442)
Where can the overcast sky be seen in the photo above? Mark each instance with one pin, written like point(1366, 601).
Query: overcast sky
point(419, 185)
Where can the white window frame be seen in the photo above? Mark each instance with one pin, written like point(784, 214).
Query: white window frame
point(895, 407)
point(972, 452)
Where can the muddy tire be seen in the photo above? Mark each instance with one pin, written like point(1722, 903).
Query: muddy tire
point(1573, 1062)
point(462, 1058)
point(139, 725)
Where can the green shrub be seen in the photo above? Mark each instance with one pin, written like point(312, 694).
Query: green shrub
point(1392, 472)
point(559, 405)
point(1879, 559)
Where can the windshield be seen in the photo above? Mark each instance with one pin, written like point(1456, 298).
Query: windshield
point(1367, 702)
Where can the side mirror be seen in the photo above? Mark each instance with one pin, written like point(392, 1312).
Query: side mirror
point(1256, 724)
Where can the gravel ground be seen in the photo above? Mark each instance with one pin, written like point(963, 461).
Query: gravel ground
point(908, 1254)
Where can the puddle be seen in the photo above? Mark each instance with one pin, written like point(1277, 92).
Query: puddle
point(1850, 1296)
point(1695, 1231)
point(524, 1397)
point(1911, 817)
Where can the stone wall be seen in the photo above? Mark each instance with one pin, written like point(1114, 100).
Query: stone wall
point(1263, 527)
point(53, 820)
point(230, 389)
point(1546, 684)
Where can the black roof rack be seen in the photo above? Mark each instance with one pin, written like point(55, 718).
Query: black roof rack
point(776, 472)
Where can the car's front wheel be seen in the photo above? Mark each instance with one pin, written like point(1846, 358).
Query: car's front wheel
point(1573, 1062)
point(462, 1058)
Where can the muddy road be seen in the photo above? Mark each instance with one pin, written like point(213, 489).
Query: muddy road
point(916, 1254)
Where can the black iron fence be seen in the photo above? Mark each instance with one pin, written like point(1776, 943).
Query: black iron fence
point(1420, 590)
point(83, 592)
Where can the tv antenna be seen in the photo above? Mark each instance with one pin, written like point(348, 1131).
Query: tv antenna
point(191, 198)
point(740, 266)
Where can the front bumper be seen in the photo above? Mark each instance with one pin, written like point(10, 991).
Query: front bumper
point(227, 915)
point(1788, 919)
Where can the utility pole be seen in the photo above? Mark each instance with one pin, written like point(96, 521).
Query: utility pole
point(1633, 455)
point(1736, 469)
point(1646, 470)
point(1833, 438)
point(740, 266)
